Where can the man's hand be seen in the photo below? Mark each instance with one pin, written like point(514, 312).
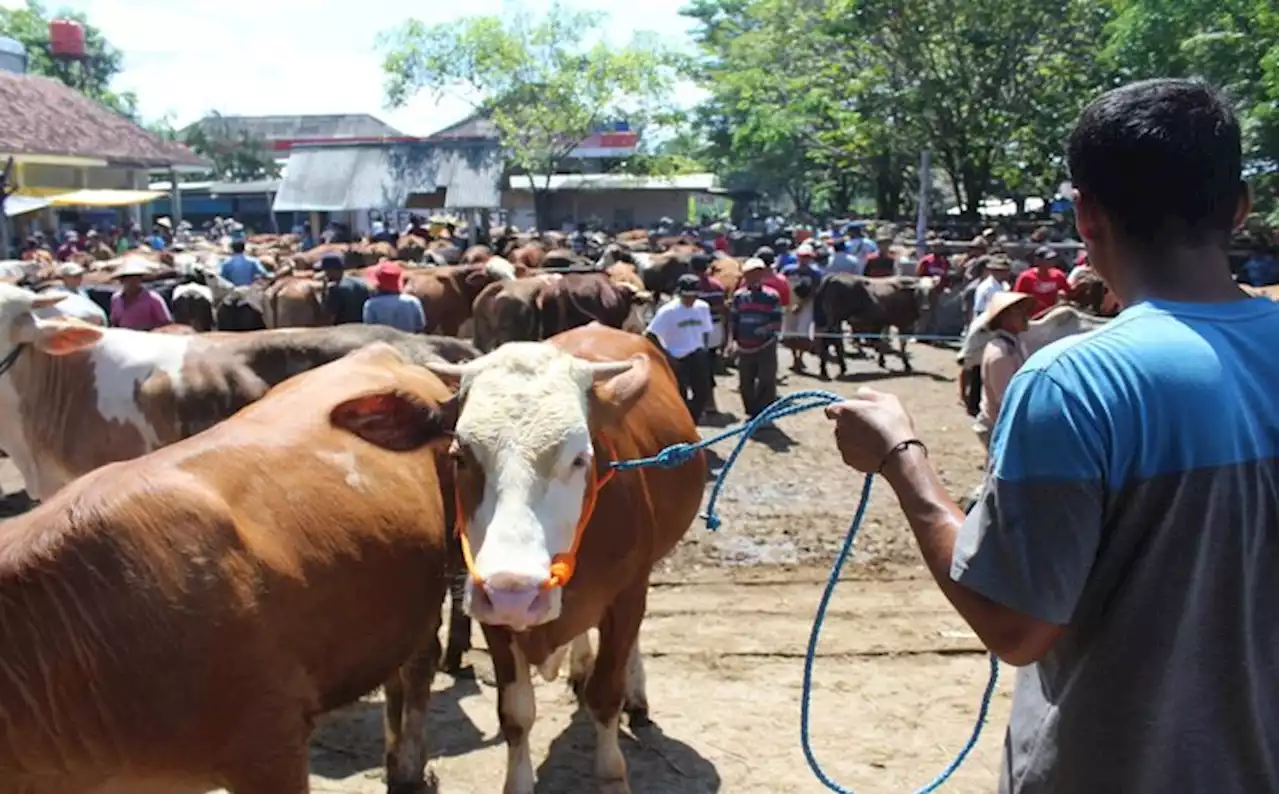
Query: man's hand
point(868, 427)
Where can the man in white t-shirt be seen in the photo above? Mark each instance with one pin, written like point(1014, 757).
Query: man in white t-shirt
point(995, 282)
point(682, 327)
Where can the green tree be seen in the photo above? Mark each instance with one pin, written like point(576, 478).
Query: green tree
point(92, 76)
point(236, 155)
point(1230, 43)
point(546, 83)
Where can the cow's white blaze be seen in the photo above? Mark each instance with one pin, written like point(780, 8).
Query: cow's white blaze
point(122, 361)
point(525, 423)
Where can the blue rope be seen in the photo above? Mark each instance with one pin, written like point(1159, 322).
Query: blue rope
point(799, 402)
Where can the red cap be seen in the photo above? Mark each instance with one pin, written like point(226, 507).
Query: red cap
point(388, 274)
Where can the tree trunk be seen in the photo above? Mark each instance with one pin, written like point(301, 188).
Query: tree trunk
point(542, 208)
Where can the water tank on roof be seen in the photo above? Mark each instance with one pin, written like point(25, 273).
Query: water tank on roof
point(13, 56)
point(66, 38)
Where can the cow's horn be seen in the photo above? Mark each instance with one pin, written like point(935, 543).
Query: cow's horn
point(446, 370)
point(603, 370)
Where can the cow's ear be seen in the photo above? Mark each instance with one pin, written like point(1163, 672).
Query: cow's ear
point(63, 337)
point(618, 386)
point(396, 421)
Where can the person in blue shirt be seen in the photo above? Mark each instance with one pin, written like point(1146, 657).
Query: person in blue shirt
point(392, 307)
point(241, 269)
point(1123, 551)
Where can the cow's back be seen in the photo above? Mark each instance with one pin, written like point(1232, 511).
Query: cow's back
point(165, 614)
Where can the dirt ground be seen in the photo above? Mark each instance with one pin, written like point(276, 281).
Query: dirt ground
point(897, 683)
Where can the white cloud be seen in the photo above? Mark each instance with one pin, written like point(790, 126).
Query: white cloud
point(259, 57)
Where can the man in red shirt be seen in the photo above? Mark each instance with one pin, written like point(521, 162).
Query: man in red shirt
point(936, 264)
point(1043, 280)
point(772, 279)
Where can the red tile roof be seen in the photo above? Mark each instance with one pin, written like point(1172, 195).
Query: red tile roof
point(44, 116)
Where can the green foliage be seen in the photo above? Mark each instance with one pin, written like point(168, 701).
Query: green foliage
point(544, 82)
point(829, 100)
point(236, 156)
point(29, 25)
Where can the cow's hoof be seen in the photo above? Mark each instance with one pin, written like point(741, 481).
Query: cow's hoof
point(638, 716)
point(429, 785)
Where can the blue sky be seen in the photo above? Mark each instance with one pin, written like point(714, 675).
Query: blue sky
point(258, 57)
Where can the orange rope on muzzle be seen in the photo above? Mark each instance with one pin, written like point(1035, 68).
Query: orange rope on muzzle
point(562, 565)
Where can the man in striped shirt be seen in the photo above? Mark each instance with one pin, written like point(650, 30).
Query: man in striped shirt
point(755, 318)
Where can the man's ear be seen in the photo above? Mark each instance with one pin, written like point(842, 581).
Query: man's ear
point(1244, 203)
point(395, 420)
point(619, 385)
point(60, 337)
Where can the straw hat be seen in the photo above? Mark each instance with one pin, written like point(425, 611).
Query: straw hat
point(70, 270)
point(133, 266)
point(1002, 302)
point(165, 222)
point(753, 264)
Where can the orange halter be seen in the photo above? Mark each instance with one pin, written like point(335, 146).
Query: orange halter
point(562, 565)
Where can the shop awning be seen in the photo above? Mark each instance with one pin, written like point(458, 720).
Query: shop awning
point(104, 198)
point(21, 205)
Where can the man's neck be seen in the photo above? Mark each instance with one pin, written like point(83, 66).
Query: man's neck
point(1190, 275)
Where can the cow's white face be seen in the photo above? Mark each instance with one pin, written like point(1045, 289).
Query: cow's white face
point(524, 453)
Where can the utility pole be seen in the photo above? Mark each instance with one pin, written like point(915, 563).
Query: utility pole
point(6, 190)
point(922, 208)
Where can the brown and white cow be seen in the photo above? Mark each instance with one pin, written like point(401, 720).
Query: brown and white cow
point(558, 546)
point(179, 621)
point(74, 397)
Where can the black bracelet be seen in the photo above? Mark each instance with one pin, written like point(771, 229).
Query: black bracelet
point(901, 446)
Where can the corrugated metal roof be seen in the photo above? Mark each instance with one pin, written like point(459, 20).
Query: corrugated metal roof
point(691, 182)
point(273, 128)
point(362, 177)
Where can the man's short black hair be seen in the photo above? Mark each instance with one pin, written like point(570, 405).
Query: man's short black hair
point(1162, 159)
point(237, 246)
point(699, 263)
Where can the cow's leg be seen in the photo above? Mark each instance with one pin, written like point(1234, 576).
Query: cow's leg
point(517, 708)
point(606, 690)
point(636, 703)
point(902, 354)
point(581, 660)
point(459, 624)
point(405, 716)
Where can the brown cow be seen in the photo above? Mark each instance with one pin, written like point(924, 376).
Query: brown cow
point(542, 306)
point(557, 545)
point(178, 622)
point(447, 293)
point(294, 302)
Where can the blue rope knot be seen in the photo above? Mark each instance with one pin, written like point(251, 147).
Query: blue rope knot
point(798, 402)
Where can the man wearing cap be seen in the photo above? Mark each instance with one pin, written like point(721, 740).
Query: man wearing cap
point(1043, 280)
point(772, 279)
point(390, 306)
point(859, 246)
point(241, 269)
point(345, 296)
point(881, 264)
point(755, 318)
point(797, 320)
point(682, 327)
point(135, 306)
point(77, 304)
point(1006, 317)
point(70, 246)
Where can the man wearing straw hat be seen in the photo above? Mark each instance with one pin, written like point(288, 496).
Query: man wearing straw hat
point(1006, 315)
point(1123, 551)
point(135, 306)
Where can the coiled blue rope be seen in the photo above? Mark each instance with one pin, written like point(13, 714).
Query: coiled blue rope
point(799, 402)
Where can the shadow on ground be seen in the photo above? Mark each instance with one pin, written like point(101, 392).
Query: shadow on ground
point(349, 742)
point(656, 763)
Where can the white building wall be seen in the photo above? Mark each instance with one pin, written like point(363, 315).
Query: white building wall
point(624, 208)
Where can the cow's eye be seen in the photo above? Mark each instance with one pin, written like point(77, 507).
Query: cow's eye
point(581, 461)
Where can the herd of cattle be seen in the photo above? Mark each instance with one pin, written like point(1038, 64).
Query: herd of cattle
point(239, 532)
